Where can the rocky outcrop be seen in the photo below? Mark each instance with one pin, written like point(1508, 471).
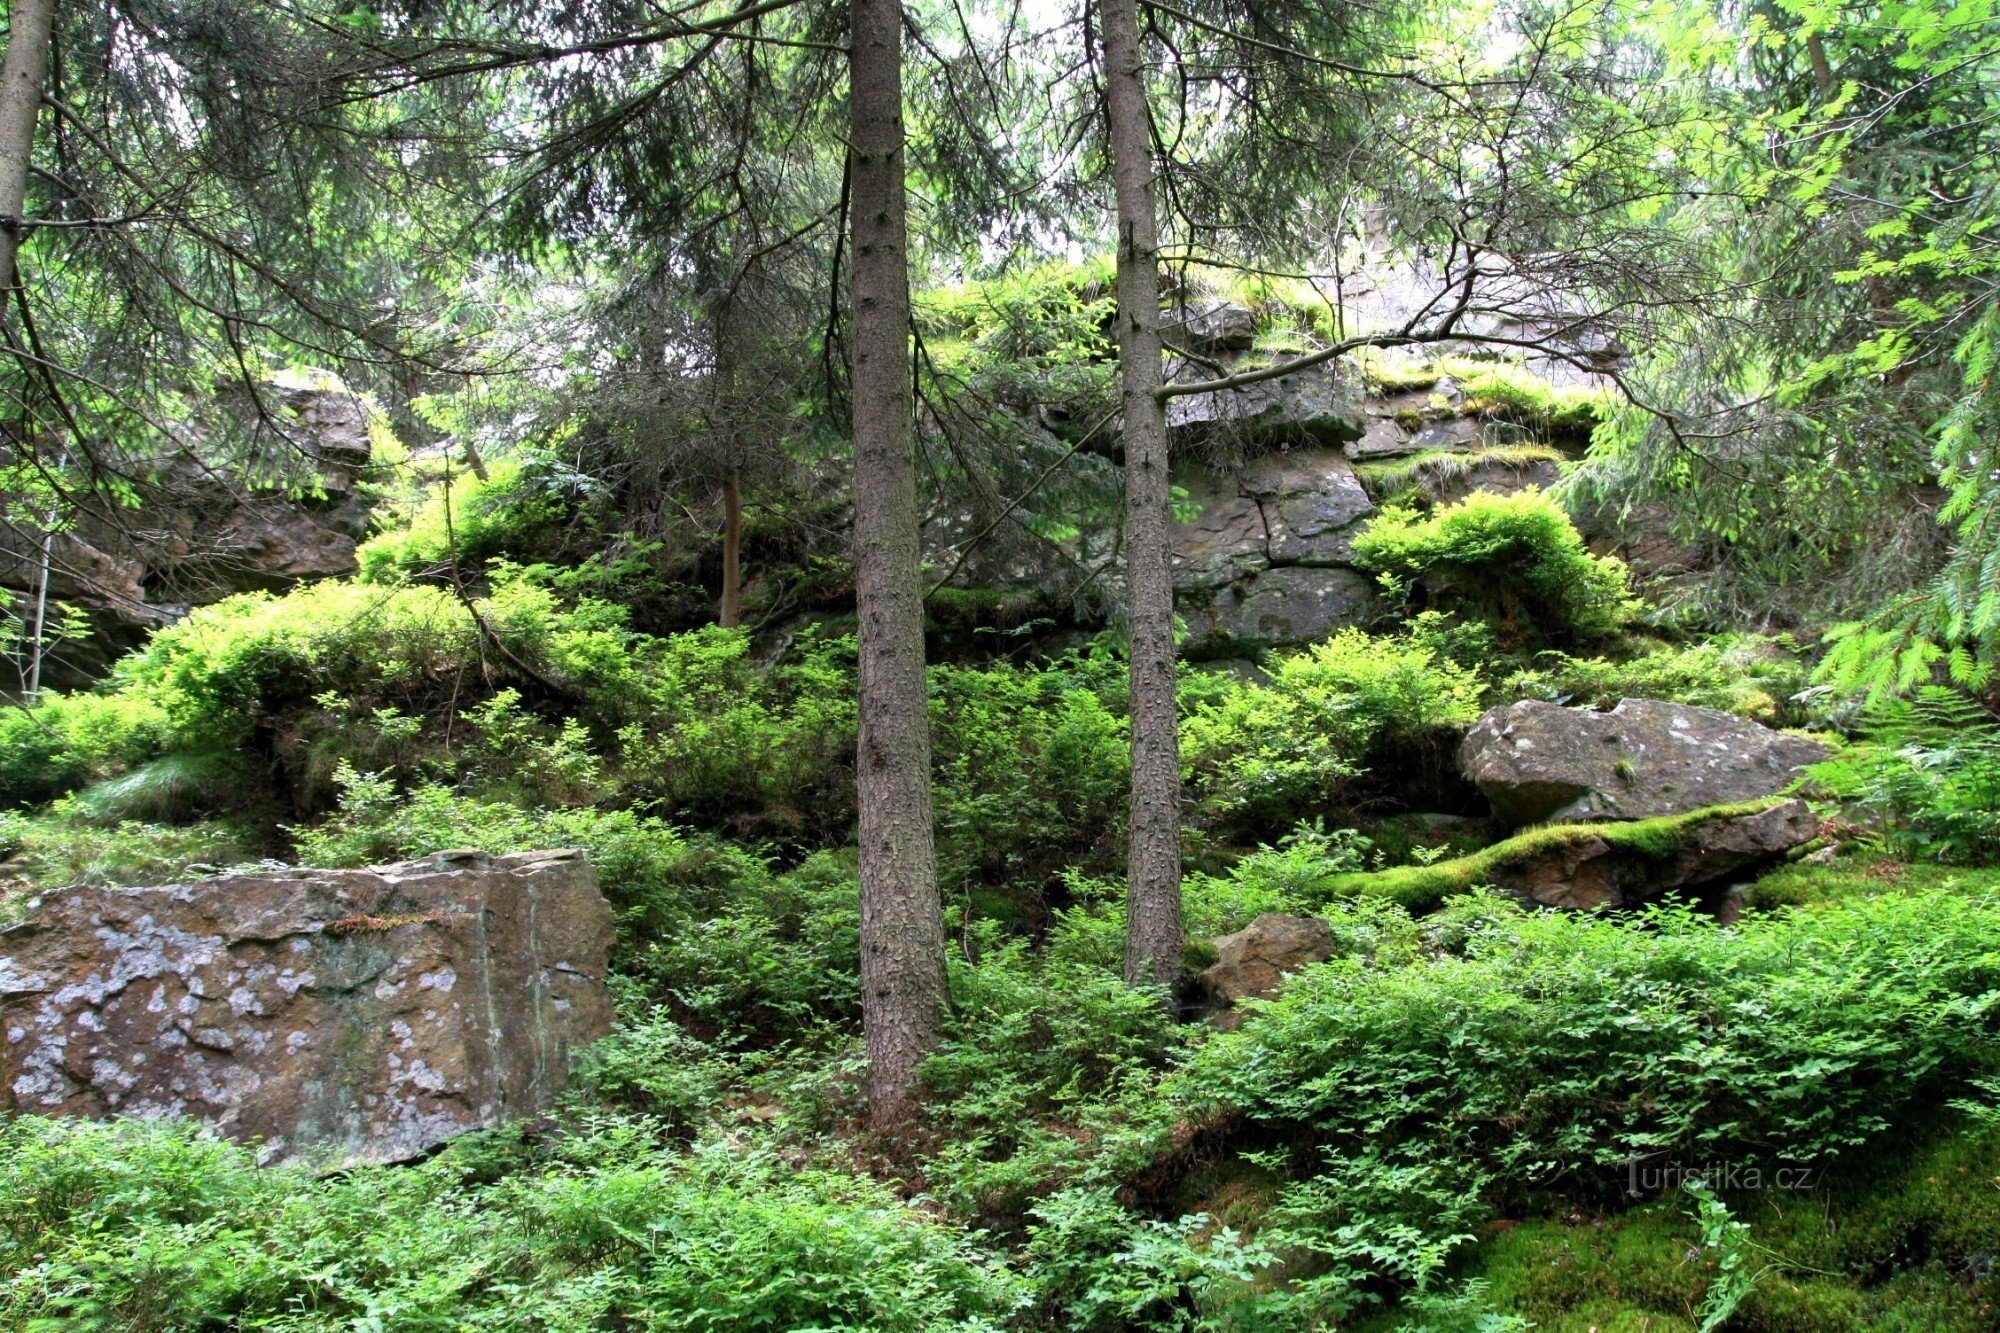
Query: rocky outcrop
point(1214, 326)
point(1252, 963)
point(335, 1017)
point(1538, 762)
point(198, 536)
point(1585, 869)
point(1279, 607)
point(1272, 500)
point(1262, 562)
point(1319, 405)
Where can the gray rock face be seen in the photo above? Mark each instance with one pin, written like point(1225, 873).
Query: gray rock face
point(1493, 476)
point(1252, 963)
point(336, 1017)
point(1261, 564)
point(1589, 871)
point(1383, 438)
point(1225, 540)
point(1216, 326)
point(1302, 507)
point(1312, 504)
point(1457, 433)
point(1539, 762)
point(1320, 405)
point(1290, 605)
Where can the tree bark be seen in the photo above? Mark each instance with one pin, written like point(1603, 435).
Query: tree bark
point(1153, 871)
point(730, 614)
point(902, 929)
point(22, 75)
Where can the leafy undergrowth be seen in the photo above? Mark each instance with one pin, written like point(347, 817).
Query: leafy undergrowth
point(1414, 1133)
point(150, 1226)
point(1434, 1131)
point(1900, 1241)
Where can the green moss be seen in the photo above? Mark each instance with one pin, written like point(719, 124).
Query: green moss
point(1899, 1240)
point(1386, 374)
point(1509, 392)
point(1394, 479)
point(1863, 876)
point(1423, 888)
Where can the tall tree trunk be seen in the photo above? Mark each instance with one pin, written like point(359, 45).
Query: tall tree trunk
point(730, 615)
point(1153, 884)
point(730, 612)
point(22, 74)
point(902, 930)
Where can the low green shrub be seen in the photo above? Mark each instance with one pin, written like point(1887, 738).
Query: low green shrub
point(1273, 751)
point(1286, 878)
point(1555, 1047)
point(1033, 1041)
point(215, 673)
point(1515, 561)
point(148, 1225)
point(66, 844)
point(1751, 674)
point(712, 733)
point(1031, 768)
point(513, 511)
point(70, 740)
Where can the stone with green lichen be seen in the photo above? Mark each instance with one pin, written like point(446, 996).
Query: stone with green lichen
point(1602, 865)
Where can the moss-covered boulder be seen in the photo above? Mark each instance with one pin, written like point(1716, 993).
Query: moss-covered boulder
point(1605, 865)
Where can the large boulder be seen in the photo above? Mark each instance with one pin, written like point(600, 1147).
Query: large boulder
point(336, 1017)
point(1584, 869)
point(1215, 326)
point(1253, 963)
point(1539, 762)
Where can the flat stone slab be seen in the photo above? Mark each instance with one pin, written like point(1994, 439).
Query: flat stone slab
point(334, 1017)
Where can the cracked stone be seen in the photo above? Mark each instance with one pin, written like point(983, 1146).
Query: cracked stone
point(322, 1050)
